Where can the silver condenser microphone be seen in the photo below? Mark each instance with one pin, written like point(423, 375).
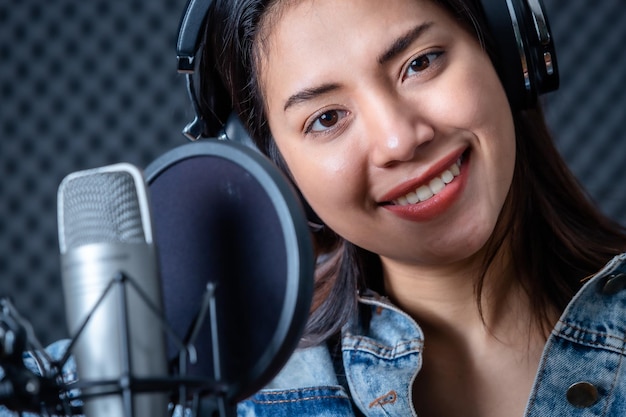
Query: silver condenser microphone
point(105, 232)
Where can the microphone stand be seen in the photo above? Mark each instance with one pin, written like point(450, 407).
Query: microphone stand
point(209, 405)
point(54, 395)
point(21, 389)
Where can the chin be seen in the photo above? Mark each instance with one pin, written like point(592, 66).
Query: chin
point(460, 246)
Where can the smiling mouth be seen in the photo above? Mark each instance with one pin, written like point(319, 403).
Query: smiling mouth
point(434, 186)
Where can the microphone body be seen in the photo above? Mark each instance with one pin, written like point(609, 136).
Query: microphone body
point(104, 234)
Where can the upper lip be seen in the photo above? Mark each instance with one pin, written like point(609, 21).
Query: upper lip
point(424, 178)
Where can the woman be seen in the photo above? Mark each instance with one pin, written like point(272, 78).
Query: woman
point(453, 236)
point(461, 269)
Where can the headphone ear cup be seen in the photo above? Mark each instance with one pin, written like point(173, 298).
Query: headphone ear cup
point(525, 47)
point(542, 50)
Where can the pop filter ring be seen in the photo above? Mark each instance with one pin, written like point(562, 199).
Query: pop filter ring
point(296, 239)
point(294, 311)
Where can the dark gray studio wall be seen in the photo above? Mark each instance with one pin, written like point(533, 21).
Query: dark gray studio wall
point(82, 84)
point(588, 113)
point(89, 83)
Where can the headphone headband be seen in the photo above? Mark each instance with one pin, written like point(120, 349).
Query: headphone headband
point(189, 31)
point(520, 29)
point(187, 46)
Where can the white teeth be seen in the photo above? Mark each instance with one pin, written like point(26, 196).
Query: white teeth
point(435, 186)
point(424, 193)
point(455, 169)
point(447, 176)
point(411, 198)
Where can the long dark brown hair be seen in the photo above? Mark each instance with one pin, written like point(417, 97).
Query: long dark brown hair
point(555, 235)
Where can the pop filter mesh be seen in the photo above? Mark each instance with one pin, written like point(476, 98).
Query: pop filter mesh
point(214, 223)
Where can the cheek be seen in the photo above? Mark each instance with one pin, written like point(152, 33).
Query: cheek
point(328, 179)
point(471, 94)
point(479, 105)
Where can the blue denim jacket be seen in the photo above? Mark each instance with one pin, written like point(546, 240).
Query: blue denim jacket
point(582, 371)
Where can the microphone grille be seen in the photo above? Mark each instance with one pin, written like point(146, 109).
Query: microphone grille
point(101, 205)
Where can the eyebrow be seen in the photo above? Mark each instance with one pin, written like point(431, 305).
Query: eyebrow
point(309, 93)
point(396, 48)
point(403, 42)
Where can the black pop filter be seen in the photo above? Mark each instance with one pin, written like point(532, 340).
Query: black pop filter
point(224, 215)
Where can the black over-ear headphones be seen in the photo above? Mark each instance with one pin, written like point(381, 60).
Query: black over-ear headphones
point(524, 43)
point(520, 29)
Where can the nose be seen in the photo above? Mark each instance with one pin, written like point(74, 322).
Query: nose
point(395, 128)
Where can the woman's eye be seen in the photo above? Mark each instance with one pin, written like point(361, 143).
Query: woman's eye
point(421, 63)
point(326, 121)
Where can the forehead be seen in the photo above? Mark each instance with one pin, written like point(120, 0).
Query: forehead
point(323, 16)
point(316, 38)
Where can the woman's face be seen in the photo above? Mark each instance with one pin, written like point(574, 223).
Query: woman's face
point(393, 123)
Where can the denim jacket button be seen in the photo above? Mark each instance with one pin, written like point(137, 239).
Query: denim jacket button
point(614, 283)
point(582, 394)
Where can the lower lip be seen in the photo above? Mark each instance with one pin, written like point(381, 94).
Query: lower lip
point(437, 204)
